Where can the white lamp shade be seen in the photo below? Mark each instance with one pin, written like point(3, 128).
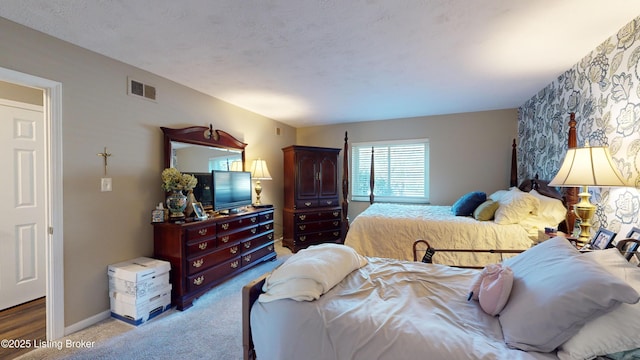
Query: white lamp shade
point(588, 166)
point(259, 170)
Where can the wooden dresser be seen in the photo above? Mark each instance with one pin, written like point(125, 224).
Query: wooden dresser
point(312, 212)
point(205, 253)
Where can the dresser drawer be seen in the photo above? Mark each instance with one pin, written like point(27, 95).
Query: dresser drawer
point(199, 246)
point(256, 242)
point(328, 202)
point(266, 216)
point(265, 227)
point(257, 254)
point(198, 263)
point(230, 238)
point(201, 280)
point(311, 238)
point(317, 226)
point(306, 204)
point(317, 215)
point(197, 233)
point(235, 224)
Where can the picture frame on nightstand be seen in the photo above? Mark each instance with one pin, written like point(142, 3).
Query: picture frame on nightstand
point(603, 239)
point(630, 248)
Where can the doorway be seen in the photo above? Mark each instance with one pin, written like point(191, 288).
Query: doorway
point(54, 276)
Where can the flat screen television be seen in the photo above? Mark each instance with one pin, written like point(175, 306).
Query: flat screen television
point(231, 190)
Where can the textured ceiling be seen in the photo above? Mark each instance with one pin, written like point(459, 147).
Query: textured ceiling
point(311, 62)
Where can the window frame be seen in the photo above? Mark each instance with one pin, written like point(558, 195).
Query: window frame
point(356, 164)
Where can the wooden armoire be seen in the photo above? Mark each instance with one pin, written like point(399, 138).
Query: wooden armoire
point(312, 212)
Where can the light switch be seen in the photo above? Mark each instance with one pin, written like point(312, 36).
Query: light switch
point(105, 184)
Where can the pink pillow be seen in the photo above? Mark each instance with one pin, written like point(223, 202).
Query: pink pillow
point(492, 288)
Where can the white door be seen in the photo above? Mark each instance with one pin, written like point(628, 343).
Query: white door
point(23, 205)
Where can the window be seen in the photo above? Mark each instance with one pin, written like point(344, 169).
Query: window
point(401, 171)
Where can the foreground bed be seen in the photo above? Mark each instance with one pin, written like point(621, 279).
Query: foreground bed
point(392, 309)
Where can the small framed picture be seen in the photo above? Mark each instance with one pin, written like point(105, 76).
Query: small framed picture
point(603, 239)
point(157, 215)
point(634, 233)
point(199, 211)
point(630, 247)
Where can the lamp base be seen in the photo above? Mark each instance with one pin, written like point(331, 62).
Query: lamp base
point(585, 211)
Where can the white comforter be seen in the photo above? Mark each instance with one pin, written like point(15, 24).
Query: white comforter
point(389, 230)
point(387, 309)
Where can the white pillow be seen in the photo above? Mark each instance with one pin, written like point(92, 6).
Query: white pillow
point(311, 272)
point(496, 196)
point(612, 332)
point(550, 210)
point(515, 206)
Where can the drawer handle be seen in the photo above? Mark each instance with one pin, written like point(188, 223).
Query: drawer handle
point(253, 231)
point(270, 236)
point(267, 216)
point(270, 247)
point(268, 226)
point(307, 204)
point(202, 245)
point(234, 264)
point(302, 227)
point(247, 258)
point(253, 219)
point(303, 238)
point(202, 232)
point(247, 244)
point(335, 223)
point(336, 233)
point(234, 250)
point(225, 239)
point(225, 226)
point(302, 217)
point(336, 213)
point(198, 263)
point(329, 202)
point(199, 280)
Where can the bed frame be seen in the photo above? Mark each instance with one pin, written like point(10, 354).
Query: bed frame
point(252, 291)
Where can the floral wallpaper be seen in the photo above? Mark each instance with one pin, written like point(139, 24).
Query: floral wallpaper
point(603, 89)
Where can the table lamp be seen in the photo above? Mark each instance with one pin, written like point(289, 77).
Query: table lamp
point(259, 171)
point(584, 167)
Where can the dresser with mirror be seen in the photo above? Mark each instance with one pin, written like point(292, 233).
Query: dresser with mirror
point(203, 253)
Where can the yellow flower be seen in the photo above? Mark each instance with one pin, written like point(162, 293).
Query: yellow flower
point(172, 179)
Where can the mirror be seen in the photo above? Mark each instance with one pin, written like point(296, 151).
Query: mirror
point(199, 149)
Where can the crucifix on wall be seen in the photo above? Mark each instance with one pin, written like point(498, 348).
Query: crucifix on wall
point(105, 156)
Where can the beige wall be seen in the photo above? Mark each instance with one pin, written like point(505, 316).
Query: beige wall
point(469, 151)
point(104, 228)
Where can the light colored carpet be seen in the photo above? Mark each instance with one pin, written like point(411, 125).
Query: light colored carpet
point(210, 329)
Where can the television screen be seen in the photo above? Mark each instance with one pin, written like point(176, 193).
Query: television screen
point(231, 189)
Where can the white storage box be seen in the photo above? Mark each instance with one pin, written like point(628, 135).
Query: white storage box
point(141, 277)
point(129, 309)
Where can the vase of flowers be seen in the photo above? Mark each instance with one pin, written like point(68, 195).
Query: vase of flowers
point(174, 181)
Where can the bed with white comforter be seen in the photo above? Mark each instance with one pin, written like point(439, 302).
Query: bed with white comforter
point(328, 302)
point(389, 230)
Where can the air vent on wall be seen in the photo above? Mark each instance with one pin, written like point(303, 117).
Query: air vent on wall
point(138, 88)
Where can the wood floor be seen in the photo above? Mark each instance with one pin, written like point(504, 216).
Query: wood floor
point(26, 322)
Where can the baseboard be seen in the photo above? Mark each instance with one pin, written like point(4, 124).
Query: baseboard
point(80, 325)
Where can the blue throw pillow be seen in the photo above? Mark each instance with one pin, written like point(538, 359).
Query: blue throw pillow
point(468, 202)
